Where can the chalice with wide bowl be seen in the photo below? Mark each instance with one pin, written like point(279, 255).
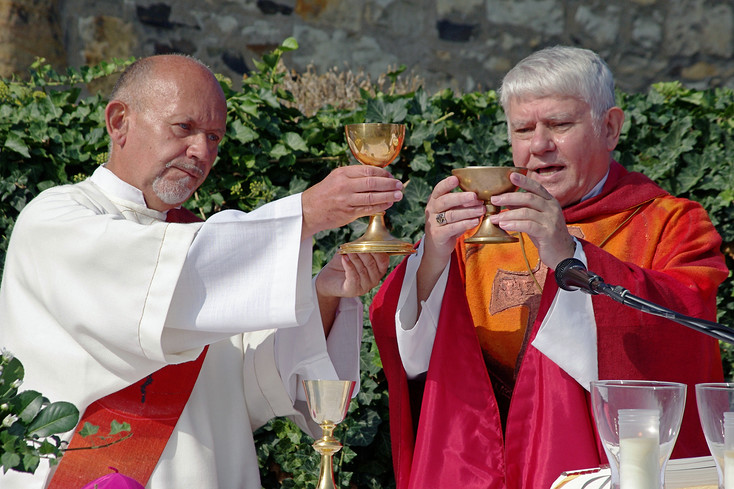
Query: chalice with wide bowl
point(376, 144)
point(487, 181)
point(328, 403)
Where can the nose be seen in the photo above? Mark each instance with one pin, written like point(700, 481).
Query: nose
point(542, 140)
point(201, 147)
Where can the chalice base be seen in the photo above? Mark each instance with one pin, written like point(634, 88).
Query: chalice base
point(377, 239)
point(488, 233)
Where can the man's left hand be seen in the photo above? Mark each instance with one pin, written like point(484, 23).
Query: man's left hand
point(349, 275)
point(538, 214)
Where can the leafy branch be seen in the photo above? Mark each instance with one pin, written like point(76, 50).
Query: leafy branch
point(31, 424)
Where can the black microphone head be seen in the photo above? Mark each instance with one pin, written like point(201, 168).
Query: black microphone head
point(569, 272)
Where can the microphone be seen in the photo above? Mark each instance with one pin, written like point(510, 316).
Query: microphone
point(571, 274)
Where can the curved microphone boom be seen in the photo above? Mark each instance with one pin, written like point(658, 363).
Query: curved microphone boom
point(571, 274)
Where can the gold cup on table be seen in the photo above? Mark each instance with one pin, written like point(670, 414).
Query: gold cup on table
point(487, 181)
point(376, 144)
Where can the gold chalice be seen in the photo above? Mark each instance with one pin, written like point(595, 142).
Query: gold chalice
point(377, 145)
point(487, 181)
point(328, 403)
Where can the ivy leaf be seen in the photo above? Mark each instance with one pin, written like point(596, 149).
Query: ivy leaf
point(117, 427)
point(295, 141)
point(379, 110)
point(242, 133)
point(15, 143)
point(88, 429)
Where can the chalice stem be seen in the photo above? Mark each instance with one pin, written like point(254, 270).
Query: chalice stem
point(326, 473)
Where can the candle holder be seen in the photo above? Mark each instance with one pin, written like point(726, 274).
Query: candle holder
point(716, 411)
point(638, 423)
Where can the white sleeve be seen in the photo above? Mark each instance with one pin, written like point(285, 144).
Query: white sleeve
point(305, 354)
point(569, 326)
point(415, 335)
point(276, 361)
point(243, 272)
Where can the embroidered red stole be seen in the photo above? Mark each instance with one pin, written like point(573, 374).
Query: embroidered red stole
point(152, 407)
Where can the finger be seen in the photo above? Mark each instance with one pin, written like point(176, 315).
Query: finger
point(538, 202)
point(446, 185)
point(528, 184)
point(373, 266)
point(356, 171)
point(368, 199)
point(458, 214)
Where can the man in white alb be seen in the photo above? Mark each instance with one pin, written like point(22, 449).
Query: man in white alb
point(100, 291)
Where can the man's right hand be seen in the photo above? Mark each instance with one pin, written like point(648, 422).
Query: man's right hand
point(457, 212)
point(347, 193)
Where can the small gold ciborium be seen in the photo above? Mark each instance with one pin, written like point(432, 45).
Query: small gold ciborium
point(487, 181)
point(328, 403)
point(376, 144)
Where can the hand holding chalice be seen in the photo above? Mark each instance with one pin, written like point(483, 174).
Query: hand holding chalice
point(487, 181)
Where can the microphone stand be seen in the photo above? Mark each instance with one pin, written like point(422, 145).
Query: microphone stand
point(622, 295)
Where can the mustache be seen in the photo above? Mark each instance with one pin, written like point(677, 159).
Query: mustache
point(187, 167)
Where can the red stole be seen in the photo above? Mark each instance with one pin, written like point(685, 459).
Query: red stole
point(152, 407)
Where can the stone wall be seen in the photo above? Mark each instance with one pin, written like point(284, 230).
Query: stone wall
point(460, 44)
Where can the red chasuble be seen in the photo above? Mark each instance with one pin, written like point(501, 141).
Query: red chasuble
point(634, 234)
point(151, 406)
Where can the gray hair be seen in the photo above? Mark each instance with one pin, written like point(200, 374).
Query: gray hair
point(562, 70)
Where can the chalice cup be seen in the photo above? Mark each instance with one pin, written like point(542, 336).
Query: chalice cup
point(487, 181)
point(328, 403)
point(376, 144)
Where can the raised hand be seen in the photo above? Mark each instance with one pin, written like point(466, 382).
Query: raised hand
point(346, 194)
point(448, 216)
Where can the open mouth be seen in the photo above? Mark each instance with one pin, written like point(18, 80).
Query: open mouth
point(547, 170)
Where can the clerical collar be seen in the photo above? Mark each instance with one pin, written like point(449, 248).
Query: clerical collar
point(597, 188)
point(112, 184)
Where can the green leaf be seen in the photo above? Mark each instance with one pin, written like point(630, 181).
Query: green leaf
point(242, 133)
point(289, 44)
point(15, 143)
point(88, 429)
point(295, 141)
point(117, 427)
point(27, 405)
point(9, 461)
point(58, 417)
point(11, 376)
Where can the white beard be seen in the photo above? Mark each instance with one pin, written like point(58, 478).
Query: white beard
point(172, 192)
point(175, 192)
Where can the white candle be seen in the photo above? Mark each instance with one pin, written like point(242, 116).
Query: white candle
point(639, 449)
point(638, 463)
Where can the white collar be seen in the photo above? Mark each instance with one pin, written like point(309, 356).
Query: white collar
point(115, 186)
point(597, 188)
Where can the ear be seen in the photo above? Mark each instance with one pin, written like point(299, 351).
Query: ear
point(613, 127)
point(117, 120)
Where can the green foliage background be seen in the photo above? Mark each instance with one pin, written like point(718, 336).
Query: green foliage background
point(50, 134)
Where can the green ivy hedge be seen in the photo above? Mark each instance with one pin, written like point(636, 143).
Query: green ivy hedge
point(52, 134)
